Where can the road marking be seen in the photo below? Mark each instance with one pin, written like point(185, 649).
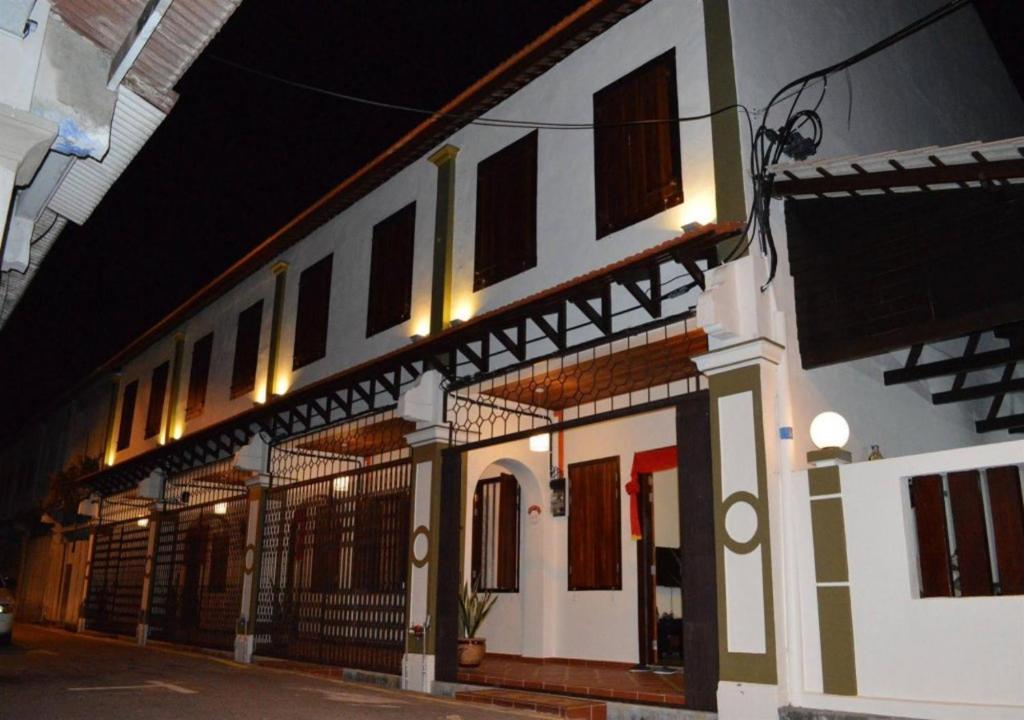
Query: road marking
point(356, 698)
point(150, 685)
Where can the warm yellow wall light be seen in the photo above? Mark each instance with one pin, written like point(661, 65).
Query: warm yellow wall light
point(462, 310)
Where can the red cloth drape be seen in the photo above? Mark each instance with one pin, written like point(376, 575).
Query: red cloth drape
point(648, 461)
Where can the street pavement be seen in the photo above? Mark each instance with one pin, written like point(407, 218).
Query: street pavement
point(51, 673)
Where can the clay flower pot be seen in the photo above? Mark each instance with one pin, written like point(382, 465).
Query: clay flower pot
point(472, 651)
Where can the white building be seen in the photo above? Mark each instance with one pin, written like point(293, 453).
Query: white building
point(507, 352)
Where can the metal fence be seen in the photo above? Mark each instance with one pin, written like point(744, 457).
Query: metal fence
point(115, 581)
point(335, 547)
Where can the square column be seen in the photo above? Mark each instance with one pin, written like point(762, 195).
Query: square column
point(142, 629)
point(742, 389)
point(80, 623)
point(252, 561)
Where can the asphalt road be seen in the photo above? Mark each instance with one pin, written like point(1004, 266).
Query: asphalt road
point(56, 674)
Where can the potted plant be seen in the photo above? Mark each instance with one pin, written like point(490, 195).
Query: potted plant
point(473, 609)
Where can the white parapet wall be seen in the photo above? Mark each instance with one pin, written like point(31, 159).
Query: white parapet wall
point(958, 657)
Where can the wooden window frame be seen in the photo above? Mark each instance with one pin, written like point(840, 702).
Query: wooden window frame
point(622, 163)
point(124, 429)
point(377, 568)
point(389, 300)
point(243, 379)
point(312, 313)
point(507, 535)
point(199, 376)
point(614, 533)
point(157, 398)
point(505, 242)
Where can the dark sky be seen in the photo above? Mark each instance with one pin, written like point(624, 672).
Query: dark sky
point(238, 157)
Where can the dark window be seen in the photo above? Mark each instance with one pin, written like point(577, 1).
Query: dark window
point(496, 535)
point(390, 301)
point(247, 350)
point(312, 313)
point(202, 350)
point(220, 547)
point(954, 523)
point(637, 168)
point(124, 431)
point(381, 545)
point(155, 410)
point(506, 213)
point(595, 542)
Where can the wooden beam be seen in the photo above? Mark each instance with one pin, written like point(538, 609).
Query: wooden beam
point(942, 368)
point(1007, 422)
point(977, 392)
point(914, 177)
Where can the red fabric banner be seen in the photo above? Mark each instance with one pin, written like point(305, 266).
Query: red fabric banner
point(648, 461)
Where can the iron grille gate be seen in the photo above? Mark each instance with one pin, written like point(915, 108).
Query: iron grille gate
point(335, 559)
point(115, 581)
point(197, 574)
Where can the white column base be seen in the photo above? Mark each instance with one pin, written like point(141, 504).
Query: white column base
point(747, 701)
point(245, 647)
point(418, 672)
point(141, 634)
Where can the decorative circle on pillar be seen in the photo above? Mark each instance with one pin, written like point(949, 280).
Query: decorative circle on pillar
point(741, 513)
point(250, 559)
point(420, 546)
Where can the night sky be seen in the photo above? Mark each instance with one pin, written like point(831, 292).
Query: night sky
point(237, 158)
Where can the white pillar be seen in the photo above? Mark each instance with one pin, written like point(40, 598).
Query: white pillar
point(252, 560)
point(142, 630)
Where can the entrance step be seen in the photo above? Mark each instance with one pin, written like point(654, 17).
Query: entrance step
point(556, 705)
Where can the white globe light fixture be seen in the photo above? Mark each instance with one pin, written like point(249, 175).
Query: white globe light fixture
point(829, 430)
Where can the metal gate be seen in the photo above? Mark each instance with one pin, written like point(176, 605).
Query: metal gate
point(335, 558)
point(115, 581)
point(197, 574)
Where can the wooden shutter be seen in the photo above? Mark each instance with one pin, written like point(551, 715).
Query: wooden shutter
point(326, 550)
point(932, 544)
point(495, 550)
point(312, 313)
point(199, 375)
point(247, 350)
point(1008, 525)
point(155, 410)
point(595, 532)
point(637, 168)
point(969, 531)
point(124, 430)
point(506, 213)
point(220, 546)
point(390, 301)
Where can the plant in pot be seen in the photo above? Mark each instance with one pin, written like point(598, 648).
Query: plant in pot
point(473, 609)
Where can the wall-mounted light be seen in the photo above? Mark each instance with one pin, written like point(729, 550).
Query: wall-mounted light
point(462, 311)
point(540, 443)
point(415, 338)
point(220, 509)
point(341, 483)
point(143, 522)
point(829, 432)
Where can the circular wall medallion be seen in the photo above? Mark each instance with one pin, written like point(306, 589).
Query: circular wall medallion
point(742, 514)
point(250, 559)
point(420, 546)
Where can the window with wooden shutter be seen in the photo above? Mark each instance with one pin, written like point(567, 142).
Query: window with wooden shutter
point(199, 375)
point(247, 350)
point(1004, 494)
point(595, 526)
point(124, 430)
point(926, 495)
point(220, 547)
point(506, 213)
point(155, 409)
point(637, 167)
point(390, 301)
point(973, 563)
point(312, 313)
point(496, 535)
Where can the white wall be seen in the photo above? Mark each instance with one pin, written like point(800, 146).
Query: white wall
point(915, 657)
point(545, 619)
point(566, 227)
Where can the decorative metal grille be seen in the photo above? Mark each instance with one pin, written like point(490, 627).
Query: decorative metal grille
point(640, 369)
point(335, 546)
point(115, 581)
point(197, 573)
